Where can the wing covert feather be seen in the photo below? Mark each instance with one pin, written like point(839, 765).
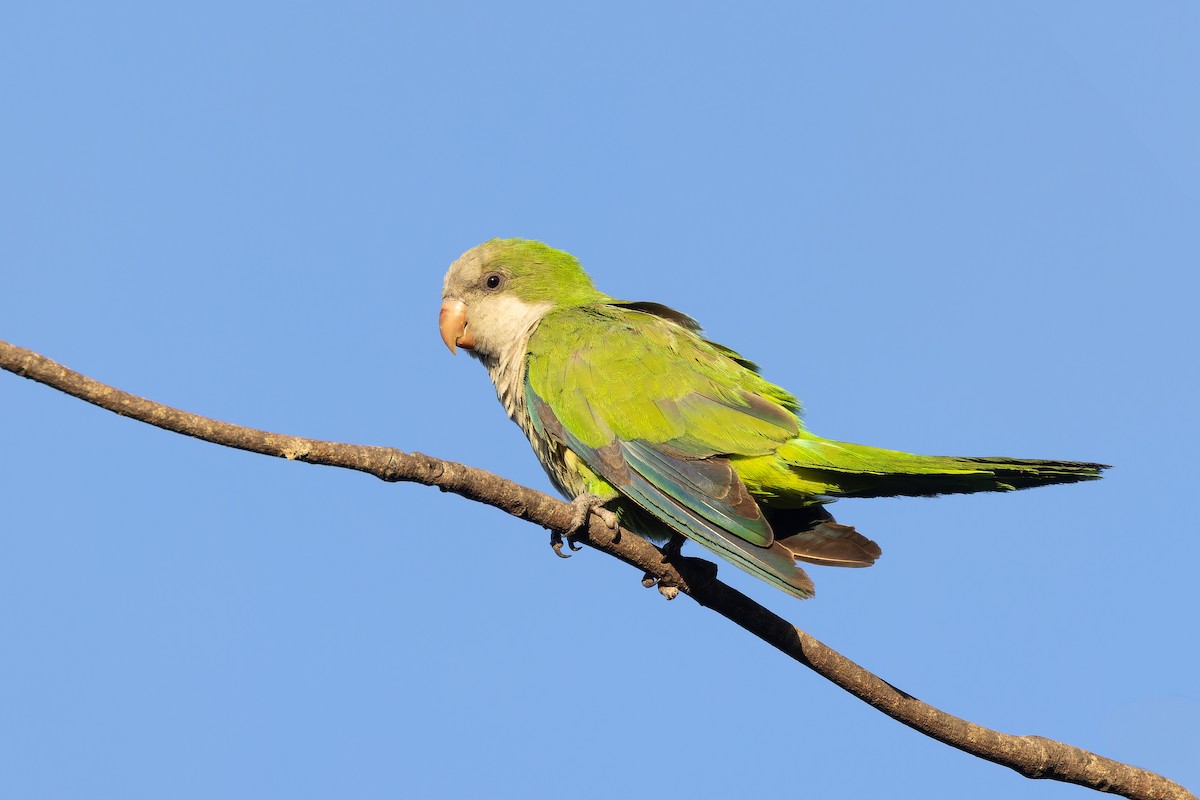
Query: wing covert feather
point(654, 410)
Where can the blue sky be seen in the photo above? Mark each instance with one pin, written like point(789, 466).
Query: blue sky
point(952, 228)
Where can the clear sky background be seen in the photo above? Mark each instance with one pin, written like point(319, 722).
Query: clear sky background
point(954, 228)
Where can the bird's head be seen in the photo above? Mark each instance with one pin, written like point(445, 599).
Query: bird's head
point(494, 292)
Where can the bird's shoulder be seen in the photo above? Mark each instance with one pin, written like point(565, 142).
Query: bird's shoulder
point(642, 337)
point(640, 374)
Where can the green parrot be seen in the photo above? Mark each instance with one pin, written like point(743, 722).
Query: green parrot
point(634, 413)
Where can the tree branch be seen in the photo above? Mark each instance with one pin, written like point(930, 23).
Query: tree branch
point(1032, 756)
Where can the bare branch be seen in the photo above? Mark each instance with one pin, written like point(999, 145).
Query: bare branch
point(1032, 756)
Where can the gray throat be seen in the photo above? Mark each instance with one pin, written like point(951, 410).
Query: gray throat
point(506, 367)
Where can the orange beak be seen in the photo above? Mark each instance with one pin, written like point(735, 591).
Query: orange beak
point(452, 321)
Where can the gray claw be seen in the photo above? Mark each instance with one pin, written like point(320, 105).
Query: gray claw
point(556, 543)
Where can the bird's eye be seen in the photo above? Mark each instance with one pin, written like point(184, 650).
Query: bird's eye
point(493, 280)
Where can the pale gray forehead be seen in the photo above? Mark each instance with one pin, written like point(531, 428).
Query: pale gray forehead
point(466, 269)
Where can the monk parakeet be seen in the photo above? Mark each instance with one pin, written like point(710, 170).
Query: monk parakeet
point(629, 406)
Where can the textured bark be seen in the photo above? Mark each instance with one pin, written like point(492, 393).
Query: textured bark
point(1032, 756)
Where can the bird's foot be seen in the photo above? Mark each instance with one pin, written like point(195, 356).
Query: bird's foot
point(670, 552)
point(695, 571)
point(583, 506)
point(586, 504)
point(667, 590)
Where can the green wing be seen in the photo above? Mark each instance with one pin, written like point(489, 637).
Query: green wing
point(657, 411)
point(688, 431)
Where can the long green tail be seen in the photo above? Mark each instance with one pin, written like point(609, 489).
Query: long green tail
point(842, 469)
